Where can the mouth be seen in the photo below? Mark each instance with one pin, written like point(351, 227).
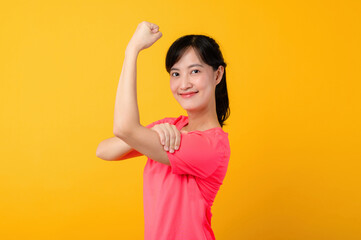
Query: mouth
point(188, 95)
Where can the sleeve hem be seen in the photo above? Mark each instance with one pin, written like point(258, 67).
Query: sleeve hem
point(172, 162)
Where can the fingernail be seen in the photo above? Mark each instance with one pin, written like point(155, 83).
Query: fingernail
point(172, 151)
point(166, 148)
point(176, 147)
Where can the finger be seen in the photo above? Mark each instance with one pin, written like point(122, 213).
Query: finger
point(166, 133)
point(155, 28)
point(171, 138)
point(160, 132)
point(152, 26)
point(177, 138)
point(161, 136)
point(158, 35)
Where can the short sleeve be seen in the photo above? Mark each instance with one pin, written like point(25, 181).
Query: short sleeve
point(199, 154)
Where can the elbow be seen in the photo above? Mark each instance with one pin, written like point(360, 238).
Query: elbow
point(123, 130)
point(119, 132)
point(119, 129)
point(101, 156)
point(99, 153)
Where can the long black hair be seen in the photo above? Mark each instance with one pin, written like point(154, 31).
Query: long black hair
point(208, 49)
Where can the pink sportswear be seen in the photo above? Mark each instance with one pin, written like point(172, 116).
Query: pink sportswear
point(177, 199)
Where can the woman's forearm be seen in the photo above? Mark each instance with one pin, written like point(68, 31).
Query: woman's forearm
point(126, 112)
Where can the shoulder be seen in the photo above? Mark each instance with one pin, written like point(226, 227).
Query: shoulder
point(170, 120)
point(215, 134)
point(217, 140)
point(212, 140)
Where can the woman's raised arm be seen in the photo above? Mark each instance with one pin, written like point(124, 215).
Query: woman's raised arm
point(126, 112)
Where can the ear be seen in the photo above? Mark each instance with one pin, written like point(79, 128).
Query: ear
point(219, 74)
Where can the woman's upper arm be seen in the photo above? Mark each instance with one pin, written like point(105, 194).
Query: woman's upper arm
point(115, 148)
point(199, 154)
point(145, 141)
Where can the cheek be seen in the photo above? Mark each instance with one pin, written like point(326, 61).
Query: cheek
point(203, 83)
point(173, 87)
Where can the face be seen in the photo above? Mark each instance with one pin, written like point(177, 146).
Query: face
point(191, 75)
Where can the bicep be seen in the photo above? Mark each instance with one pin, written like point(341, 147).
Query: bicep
point(146, 142)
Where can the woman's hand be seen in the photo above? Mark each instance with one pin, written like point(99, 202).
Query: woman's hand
point(145, 35)
point(169, 136)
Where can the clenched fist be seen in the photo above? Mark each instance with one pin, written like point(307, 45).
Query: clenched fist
point(145, 35)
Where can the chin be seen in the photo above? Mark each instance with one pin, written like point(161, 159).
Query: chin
point(189, 107)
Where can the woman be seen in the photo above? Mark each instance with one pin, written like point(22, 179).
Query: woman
point(180, 185)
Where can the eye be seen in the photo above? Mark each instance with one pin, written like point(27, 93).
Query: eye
point(195, 70)
point(174, 73)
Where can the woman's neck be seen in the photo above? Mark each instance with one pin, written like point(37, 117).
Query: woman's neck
point(201, 121)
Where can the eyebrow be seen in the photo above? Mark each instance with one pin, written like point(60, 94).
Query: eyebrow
point(193, 65)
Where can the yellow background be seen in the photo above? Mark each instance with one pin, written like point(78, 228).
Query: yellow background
point(293, 78)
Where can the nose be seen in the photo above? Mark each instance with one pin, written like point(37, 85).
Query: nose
point(185, 83)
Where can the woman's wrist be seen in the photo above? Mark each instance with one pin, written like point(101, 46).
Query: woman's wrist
point(131, 49)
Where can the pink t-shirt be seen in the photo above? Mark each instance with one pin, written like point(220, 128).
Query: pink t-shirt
point(178, 198)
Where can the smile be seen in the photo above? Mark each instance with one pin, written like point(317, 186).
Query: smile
point(188, 95)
